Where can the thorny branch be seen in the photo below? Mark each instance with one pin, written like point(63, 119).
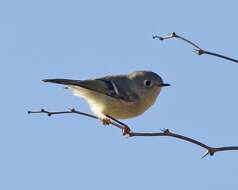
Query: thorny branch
point(126, 131)
point(198, 49)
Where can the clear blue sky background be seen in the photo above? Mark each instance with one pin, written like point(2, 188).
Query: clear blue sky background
point(83, 39)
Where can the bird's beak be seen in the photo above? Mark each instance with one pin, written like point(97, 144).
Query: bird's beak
point(163, 84)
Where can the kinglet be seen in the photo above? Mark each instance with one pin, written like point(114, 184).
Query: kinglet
point(117, 96)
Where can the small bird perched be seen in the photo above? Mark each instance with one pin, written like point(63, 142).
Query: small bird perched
point(117, 96)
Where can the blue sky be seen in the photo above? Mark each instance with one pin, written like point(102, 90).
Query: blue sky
point(83, 39)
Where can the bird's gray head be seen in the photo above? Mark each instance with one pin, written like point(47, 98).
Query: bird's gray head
point(147, 85)
point(147, 79)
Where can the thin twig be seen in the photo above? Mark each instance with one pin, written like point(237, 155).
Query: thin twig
point(127, 132)
point(198, 49)
point(76, 112)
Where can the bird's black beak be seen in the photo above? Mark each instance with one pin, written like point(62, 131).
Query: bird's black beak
point(164, 84)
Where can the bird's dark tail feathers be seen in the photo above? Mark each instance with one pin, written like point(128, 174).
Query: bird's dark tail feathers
point(63, 81)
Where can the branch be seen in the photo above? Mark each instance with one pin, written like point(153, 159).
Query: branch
point(76, 112)
point(126, 131)
point(198, 49)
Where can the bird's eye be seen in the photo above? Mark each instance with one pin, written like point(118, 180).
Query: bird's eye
point(147, 82)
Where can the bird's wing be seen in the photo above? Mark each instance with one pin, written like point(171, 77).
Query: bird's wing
point(104, 86)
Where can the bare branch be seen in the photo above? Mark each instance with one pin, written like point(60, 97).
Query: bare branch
point(210, 150)
point(198, 50)
point(127, 132)
point(76, 112)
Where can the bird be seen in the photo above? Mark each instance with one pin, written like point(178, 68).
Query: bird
point(117, 96)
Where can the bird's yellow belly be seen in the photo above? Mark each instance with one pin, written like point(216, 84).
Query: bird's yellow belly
point(118, 109)
point(102, 105)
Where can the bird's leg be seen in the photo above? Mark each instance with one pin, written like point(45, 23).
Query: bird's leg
point(126, 131)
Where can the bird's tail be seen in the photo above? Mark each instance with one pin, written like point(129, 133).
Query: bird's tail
point(63, 81)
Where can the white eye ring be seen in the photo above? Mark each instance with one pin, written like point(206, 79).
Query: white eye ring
point(147, 83)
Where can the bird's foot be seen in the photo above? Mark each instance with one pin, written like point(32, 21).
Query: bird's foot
point(106, 121)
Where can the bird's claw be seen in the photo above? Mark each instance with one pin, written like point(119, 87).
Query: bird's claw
point(126, 131)
point(106, 121)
